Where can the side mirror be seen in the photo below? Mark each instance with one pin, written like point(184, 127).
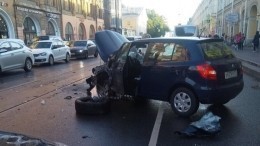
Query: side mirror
point(54, 47)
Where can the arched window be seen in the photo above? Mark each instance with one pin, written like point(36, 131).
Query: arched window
point(69, 32)
point(29, 30)
point(92, 32)
point(50, 29)
point(82, 32)
point(3, 28)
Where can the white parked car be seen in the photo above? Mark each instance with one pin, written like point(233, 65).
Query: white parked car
point(15, 55)
point(50, 51)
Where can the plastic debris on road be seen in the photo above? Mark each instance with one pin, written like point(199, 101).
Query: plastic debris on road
point(208, 125)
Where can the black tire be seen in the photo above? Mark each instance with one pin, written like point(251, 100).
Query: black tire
point(183, 102)
point(86, 105)
point(96, 54)
point(28, 65)
point(67, 59)
point(51, 60)
point(86, 55)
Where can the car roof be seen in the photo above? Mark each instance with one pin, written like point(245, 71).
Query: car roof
point(174, 38)
point(14, 40)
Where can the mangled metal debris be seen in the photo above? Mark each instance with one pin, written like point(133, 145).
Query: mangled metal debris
point(7, 138)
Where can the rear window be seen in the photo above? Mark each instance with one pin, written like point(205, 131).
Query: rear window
point(216, 50)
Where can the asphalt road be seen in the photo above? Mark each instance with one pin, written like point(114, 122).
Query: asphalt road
point(35, 104)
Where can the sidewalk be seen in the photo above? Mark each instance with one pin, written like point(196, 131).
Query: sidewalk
point(250, 61)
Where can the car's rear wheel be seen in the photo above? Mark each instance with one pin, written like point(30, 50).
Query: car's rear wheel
point(51, 60)
point(67, 59)
point(28, 65)
point(183, 102)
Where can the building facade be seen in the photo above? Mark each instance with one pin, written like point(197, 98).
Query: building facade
point(81, 19)
point(229, 17)
point(70, 19)
point(134, 21)
point(113, 15)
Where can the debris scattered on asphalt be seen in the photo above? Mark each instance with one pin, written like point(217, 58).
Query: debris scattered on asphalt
point(7, 138)
point(85, 137)
point(207, 126)
point(43, 102)
point(68, 97)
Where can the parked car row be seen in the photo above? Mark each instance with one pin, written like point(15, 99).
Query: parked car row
point(14, 54)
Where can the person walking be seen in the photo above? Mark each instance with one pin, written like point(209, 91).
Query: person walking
point(256, 41)
point(243, 38)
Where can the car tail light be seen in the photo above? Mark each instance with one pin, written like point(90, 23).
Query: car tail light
point(207, 72)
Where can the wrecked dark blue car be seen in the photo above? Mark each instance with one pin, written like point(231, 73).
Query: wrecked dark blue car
point(183, 71)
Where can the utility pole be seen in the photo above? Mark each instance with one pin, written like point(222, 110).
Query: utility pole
point(116, 16)
point(96, 15)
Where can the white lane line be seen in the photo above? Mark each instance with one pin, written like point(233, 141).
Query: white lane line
point(156, 127)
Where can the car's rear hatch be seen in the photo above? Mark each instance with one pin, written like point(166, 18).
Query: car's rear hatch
point(220, 57)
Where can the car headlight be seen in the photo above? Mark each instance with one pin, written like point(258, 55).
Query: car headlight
point(43, 54)
point(80, 51)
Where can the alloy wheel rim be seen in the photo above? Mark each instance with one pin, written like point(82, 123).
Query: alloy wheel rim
point(182, 102)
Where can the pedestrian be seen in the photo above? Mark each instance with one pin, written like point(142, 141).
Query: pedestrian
point(238, 40)
point(243, 38)
point(256, 41)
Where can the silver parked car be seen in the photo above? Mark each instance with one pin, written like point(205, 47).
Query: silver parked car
point(14, 55)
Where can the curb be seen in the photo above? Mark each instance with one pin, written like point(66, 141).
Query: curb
point(251, 69)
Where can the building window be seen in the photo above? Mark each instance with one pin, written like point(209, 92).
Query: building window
point(3, 28)
point(67, 5)
point(50, 29)
point(92, 32)
point(79, 6)
point(29, 30)
point(81, 32)
point(69, 32)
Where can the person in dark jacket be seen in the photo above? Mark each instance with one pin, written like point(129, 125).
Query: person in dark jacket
point(256, 41)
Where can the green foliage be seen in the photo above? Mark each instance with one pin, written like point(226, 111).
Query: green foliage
point(156, 25)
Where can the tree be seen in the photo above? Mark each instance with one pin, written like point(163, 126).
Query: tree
point(156, 24)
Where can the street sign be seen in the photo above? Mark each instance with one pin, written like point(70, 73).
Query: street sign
point(232, 17)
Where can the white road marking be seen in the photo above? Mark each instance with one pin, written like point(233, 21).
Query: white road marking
point(156, 127)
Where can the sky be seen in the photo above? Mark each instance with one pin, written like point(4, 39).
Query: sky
point(175, 11)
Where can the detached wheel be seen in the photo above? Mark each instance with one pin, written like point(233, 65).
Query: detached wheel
point(183, 102)
point(28, 65)
point(51, 60)
point(88, 105)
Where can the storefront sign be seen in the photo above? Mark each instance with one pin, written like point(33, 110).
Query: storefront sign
point(29, 10)
point(233, 17)
point(52, 15)
point(3, 4)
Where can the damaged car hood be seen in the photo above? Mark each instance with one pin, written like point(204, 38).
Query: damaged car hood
point(108, 42)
